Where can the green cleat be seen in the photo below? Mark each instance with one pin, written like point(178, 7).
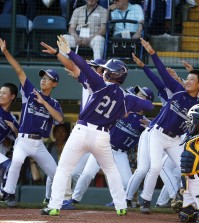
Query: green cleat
point(51, 212)
point(121, 212)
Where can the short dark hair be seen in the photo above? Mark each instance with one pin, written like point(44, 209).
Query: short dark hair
point(65, 125)
point(196, 72)
point(13, 88)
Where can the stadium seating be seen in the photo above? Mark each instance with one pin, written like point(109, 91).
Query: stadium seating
point(21, 34)
point(119, 47)
point(46, 28)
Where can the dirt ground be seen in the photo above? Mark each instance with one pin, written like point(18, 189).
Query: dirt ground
point(83, 216)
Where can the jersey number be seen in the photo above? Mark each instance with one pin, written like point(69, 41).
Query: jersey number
point(44, 125)
point(129, 141)
point(105, 104)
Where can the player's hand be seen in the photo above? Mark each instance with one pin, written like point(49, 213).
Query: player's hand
point(172, 73)
point(137, 60)
point(63, 44)
point(147, 46)
point(39, 98)
point(3, 45)
point(144, 122)
point(48, 49)
point(188, 66)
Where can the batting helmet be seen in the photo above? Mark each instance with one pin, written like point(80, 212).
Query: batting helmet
point(96, 62)
point(145, 91)
point(117, 70)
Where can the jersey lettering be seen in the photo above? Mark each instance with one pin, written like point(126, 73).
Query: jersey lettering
point(129, 141)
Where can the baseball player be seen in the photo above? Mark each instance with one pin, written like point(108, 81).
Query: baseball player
point(169, 126)
point(124, 136)
point(107, 104)
point(190, 170)
point(143, 161)
point(8, 125)
point(96, 66)
point(38, 113)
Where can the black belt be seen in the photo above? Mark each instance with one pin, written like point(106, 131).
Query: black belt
point(172, 135)
point(101, 128)
point(192, 177)
point(31, 136)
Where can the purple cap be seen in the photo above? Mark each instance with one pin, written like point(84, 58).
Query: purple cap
point(51, 73)
point(145, 91)
point(96, 62)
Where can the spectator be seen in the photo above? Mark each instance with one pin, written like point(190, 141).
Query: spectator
point(122, 9)
point(87, 28)
point(61, 133)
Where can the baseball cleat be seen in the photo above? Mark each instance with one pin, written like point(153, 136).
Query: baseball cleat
point(69, 204)
point(10, 200)
point(177, 202)
point(110, 205)
point(145, 207)
point(49, 211)
point(121, 212)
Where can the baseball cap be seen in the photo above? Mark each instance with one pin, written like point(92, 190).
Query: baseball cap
point(131, 89)
point(51, 73)
point(96, 62)
point(145, 91)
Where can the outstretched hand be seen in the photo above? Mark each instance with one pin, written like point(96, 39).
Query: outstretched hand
point(188, 66)
point(2, 45)
point(49, 49)
point(147, 46)
point(137, 60)
point(63, 44)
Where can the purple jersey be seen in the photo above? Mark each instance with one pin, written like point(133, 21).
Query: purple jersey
point(35, 118)
point(108, 102)
point(126, 132)
point(5, 130)
point(173, 116)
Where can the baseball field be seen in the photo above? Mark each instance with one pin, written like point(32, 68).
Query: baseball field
point(84, 214)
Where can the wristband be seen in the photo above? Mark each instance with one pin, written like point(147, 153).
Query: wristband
point(57, 51)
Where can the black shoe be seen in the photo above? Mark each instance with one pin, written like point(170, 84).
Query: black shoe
point(145, 206)
point(10, 200)
point(132, 204)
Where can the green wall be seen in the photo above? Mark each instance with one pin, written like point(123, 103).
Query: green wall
point(68, 87)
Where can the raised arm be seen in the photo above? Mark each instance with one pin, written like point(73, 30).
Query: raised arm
point(17, 67)
point(67, 63)
point(166, 77)
point(156, 81)
point(79, 61)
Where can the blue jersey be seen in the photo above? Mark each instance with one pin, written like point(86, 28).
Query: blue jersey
point(5, 130)
point(126, 132)
point(108, 102)
point(173, 116)
point(35, 118)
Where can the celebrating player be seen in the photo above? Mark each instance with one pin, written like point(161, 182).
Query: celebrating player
point(38, 113)
point(170, 125)
point(108, 103)
point(124, 137)
point(8, 125)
